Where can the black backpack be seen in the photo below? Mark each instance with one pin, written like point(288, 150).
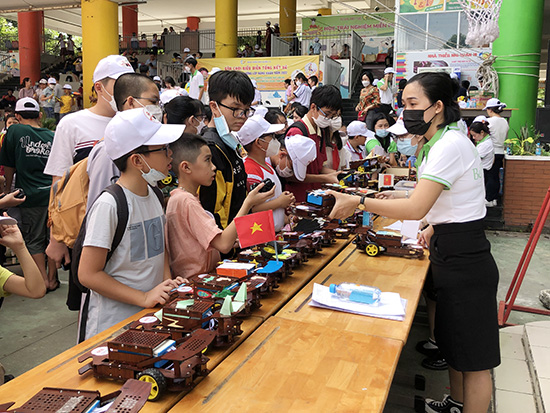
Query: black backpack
point(76, 289)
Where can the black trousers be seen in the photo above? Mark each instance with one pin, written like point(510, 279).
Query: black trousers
point(492, 185)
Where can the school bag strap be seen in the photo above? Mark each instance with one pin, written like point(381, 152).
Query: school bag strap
point(300, 126)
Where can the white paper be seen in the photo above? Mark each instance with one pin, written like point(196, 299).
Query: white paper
point(390, 306)
point(7, 221)
point(396, 226)
point(410, 229)
point(412, 241)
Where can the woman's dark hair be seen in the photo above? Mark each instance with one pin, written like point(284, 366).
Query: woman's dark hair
point(478, 127)
point(402, 84)
point(181, 108)
point(273, 115)
point(300, 110)
point(497, 109)
point(369, 75)
point(287, 82)
point(301, 76)
point(230, 83)
point(24, 82)
point(169, 80)
point(440, 86)
point(315, 79)
point(379, 116)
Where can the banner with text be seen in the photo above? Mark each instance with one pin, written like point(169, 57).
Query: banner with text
point(361, 24)
point(423, 6)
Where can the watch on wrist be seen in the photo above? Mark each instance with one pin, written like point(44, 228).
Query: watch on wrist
point(361, 205)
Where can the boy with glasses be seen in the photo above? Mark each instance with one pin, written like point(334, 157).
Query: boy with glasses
point(231, 94)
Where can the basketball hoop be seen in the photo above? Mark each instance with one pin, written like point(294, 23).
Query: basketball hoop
point(482, 18)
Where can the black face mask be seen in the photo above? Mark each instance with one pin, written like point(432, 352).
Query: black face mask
point(414, 121)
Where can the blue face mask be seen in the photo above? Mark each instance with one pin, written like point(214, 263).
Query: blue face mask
point(404, 147)
point(223, 130)
point(382, 133)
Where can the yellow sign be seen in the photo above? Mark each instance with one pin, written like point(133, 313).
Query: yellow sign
point(269, 72)
point(414, 6)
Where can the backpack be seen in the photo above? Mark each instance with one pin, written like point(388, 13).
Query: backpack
point(76, 289)
point(68, 199)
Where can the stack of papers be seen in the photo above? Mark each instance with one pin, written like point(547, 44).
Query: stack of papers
point(390, 306)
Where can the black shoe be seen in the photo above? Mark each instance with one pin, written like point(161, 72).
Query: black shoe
point(448, 405)
point(427, 347)
point(436, 362)
point(8, 377)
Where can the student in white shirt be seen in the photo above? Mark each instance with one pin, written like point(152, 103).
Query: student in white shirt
point(499, 132)
point(450, 195)
point(302, 94)
point(480, 134)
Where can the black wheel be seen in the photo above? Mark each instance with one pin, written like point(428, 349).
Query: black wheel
point(157, 380)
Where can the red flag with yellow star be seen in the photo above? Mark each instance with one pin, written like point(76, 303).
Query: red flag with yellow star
point(255, 228)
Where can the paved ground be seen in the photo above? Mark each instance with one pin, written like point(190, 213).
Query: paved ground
point(32, 331)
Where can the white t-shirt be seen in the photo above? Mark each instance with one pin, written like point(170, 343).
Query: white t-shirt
point(75, 132)
point(355, 154)
point(499, 132)
point(102, 172)
point(454, 162)
point(195, 84)
point(303, 95)
point(138, 261)
point(386, 96)
point(486, 152)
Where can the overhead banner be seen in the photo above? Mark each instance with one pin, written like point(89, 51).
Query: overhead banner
point(363, 25)
point(423, 6)
point(269, 72)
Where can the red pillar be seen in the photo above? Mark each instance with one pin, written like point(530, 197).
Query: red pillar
point(129, 22)
point(29, 24)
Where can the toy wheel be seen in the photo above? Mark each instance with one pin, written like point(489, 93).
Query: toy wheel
point(167, 180)
point(372, 249)
point(157, 380)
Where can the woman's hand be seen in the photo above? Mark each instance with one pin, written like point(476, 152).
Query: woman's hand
point(425, 236)
point(345, 205)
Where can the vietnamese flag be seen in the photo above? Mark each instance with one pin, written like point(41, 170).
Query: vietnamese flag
point(255, 228)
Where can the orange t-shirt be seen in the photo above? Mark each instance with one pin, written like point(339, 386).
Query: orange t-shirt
point(189, 231)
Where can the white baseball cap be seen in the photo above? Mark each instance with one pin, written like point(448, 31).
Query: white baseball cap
point(112, 66)
point(480, 118)
point(27, 105)
point(186, 50)
point(67, 86)
point(43, 81)
point(157, 78)
point(52, 81)
point(214, 70)
point(256, 126)
point(170, 94)
point(132, 128)
point(389, 70)
point(494, 103)
point(302, 152)
point(398, 128)
point(358, 128)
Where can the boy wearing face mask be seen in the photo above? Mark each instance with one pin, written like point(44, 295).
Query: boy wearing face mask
point(258, 137)
point(326, 102)
point(136, 275)
point(196, 82)
point(404, 145)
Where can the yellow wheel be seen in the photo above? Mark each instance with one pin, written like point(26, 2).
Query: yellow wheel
point(372, 250)
point(157, 380)
point(167, 180)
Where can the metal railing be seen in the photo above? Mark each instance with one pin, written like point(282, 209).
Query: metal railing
point(333, 71)
point(356, 68)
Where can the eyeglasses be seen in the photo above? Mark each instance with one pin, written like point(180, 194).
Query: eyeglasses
point(238, 112)
point(154, 101)
point(325, 115)
point(165, 148)
point(199, 117)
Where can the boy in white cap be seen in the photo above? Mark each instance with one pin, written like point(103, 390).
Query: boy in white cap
point(258, 138)
point(136, 275)
point(301, 152)
point(48, 98)
point(386, 89)
point(499, 132)
point(193, 238)
point(358, 136)
point(67, 101)
point(77, 133)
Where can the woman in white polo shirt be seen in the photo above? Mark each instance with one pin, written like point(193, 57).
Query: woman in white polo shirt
point(451, 195)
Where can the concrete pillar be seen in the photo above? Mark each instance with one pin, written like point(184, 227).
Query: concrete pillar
point(29, 24)
point(99, 37)
point(287, 17)
point(129, 22)
point(226, 28)
point(516, 89)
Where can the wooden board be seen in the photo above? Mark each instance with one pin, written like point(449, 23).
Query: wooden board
point(289, 366)
point(402, 275)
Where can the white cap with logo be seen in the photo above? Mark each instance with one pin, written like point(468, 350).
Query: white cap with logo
point(389, 70)
point(156, 78)
point(302, 152)
point(358, 128)
point(112, 66)
point(43, 81)
point(256, 126)
point(133, 128)
point(67, 86)
point(52, 81)
point(27, 105)
point(494, 103)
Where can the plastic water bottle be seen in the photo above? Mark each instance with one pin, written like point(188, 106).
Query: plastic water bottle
point(356, 292)
point(538, 150)
point(508, 150)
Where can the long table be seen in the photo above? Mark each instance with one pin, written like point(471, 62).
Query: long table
point(62, 370)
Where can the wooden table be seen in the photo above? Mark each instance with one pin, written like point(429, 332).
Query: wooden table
point(395, 274)
point(62, 370)
point(292, 366)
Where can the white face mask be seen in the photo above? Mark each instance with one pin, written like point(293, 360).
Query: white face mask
point(365, 83)
point(284, 173)
point(186, 69)
point(336, 123)
point(322, 121)
point(153, 176)
point(272, 147)
point(200, 127)
point(154, 110)
point(111, 101)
